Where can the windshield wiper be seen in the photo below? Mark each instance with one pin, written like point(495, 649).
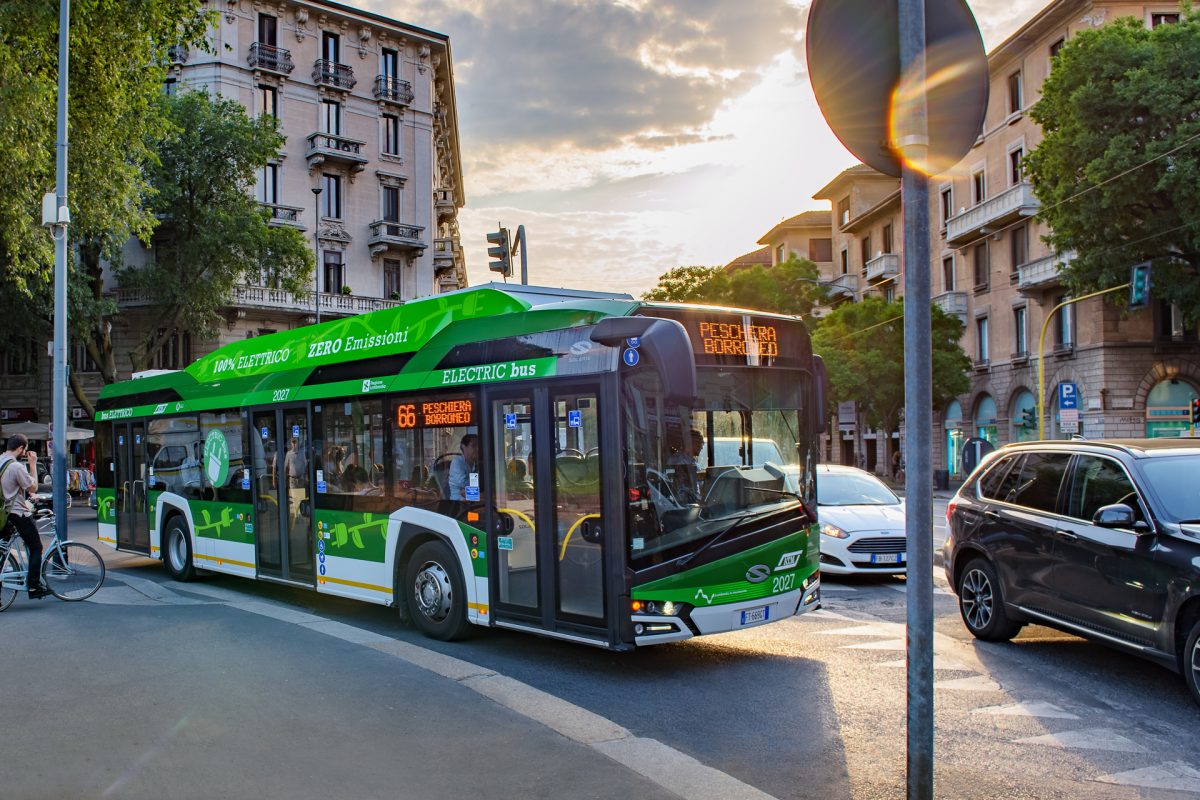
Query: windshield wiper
point(683, 562)
point(773, 491)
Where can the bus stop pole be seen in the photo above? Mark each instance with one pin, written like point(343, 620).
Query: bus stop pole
point(58, 413)
point(918, 406)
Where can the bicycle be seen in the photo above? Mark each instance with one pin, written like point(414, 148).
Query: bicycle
point(72, 571)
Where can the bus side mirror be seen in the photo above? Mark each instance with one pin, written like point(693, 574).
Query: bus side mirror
point(667, 345)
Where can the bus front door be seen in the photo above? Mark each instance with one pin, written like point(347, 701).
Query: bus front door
point(546, 528)
point(283, 494)
point(133, 527)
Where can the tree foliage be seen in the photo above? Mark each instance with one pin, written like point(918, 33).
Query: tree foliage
point(791, 287)
point(863, 347)
point(1118, 97)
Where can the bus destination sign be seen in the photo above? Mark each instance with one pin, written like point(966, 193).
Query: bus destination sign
point(436, 413)
point(736, 339)
point(727, 339)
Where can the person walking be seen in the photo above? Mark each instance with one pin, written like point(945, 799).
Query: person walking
point(15, 482)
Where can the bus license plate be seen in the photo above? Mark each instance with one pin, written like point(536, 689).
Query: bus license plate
point(752, 615)
point(887, 558)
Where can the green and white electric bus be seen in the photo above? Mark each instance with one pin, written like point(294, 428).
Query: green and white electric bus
point(509, 456)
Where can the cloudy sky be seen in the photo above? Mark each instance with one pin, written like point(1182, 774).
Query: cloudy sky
point(632, 136)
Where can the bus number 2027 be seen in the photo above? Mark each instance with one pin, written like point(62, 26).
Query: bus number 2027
point(783, 583)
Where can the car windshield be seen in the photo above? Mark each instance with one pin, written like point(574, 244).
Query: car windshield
point(695, 472)
point(851, 489)
point(1173, 481)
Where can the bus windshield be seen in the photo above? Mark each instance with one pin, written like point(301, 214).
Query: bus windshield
point(693, 473)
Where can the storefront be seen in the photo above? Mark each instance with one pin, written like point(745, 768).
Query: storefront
point(955, 436)
point(1168, 409)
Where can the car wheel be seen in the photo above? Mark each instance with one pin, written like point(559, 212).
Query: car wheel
point(981, 603)
point(1191, 660)
point(437, 601)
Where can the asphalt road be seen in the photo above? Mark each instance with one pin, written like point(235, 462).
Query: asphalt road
point(183, 691)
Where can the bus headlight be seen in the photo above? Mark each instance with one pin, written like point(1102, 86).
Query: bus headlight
point(834, 531)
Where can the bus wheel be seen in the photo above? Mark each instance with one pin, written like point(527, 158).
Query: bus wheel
point(177, 551)
point(437, 601)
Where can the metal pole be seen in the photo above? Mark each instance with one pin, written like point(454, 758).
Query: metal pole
point(524, 260)
point(1042, 356)
point(317, 253)
point(918, 407)
point(59, 396)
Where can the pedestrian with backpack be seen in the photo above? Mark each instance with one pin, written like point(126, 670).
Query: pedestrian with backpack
point(15, 481)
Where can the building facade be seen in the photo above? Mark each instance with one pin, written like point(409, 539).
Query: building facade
point(367, 108)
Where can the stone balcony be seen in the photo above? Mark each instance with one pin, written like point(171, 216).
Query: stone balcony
point(443, 203)
point(334, 149)
point(291, 216)
point(333, 75)
point(267, 299)
point(269, 58)
point(1044, 273)
point(446, 252)
point(991, 215)
point(952, 303)
point(844, 285)
point(396, 237)
point(884, 265)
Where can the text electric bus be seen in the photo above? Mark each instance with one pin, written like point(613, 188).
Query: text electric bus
point(589, 505)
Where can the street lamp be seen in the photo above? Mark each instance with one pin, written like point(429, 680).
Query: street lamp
point(317, 253)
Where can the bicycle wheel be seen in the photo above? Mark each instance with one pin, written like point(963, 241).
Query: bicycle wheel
point(73, 571)
point(11, 575)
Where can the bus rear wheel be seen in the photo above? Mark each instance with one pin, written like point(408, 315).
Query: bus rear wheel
point(177, 551)
point(437, 601)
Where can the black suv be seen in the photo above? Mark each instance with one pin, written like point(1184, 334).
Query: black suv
point(1100, 539)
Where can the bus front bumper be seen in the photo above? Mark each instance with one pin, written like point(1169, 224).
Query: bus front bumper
point(727, 617)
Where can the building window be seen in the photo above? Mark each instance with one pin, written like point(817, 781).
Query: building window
point(392, 283)
point(981, 340)
point(978, 187)
point(889, 293)
point(389, 64)
point(1014, 93)
point(845, 261)
point(1058, 45)
point(865, 245)
point(81, 360)
point(947, 204)
point(169, 87)
point(334, 277)
point(843, 211)
point(331, 196)
point(268, 184)
point(331, 47)
point(982, 268)
point(948, 274)
point(331, 117)
point(781, 254)
point(1019, 241)
point(20, 358)
point(267, 26)
point(1019, 340)
point(176, 352)
point(391, 204)
point(1015, 172)
point(391, 134)
point(1163, 19)
point(820, 250)
point(1064, 331)
point(889, 245)
point(268, 101)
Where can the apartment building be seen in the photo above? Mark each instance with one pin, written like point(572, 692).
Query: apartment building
point(367, 106)
point(1129, 375)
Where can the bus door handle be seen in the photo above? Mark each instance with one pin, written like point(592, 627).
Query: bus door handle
point(502, 524)
point(591, 531)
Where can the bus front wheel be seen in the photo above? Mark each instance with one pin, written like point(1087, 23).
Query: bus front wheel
point(437, 601)
point(177, 551)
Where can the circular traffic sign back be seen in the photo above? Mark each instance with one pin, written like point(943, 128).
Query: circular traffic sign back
point(854, 65)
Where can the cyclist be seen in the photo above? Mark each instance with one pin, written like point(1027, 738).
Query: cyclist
point(15, 481)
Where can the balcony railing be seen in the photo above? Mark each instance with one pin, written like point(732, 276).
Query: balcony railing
point(331, 147)
point(277, 300)
point(444, 202)
point(393, 90)
point(1043, 273)
point(331, 73)
point(884, 265)
point(845, 284)
point(284, 215)
point(388, 235)
point(270, 58)
point(991, 214)
point(952, 303)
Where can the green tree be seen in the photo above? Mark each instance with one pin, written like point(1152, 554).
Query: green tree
point(212, 234)
point(792, 287)
point(1116, 98)
point(863, 347)
point(693, 284)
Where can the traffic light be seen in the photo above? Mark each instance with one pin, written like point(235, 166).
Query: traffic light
point(501, 252)
point(1139, 286)
point(1196, 410)
point(1029, 419)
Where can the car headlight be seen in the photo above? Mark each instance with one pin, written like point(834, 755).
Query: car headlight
point(834, 531)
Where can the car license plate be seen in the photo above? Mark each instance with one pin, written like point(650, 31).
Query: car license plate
point(887, 558)
point(752, 615)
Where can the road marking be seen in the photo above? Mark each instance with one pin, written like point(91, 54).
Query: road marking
point(881, 629)
point(823, 613)
point(676, 771)
point(837, 587)
point(1088, 739)
point(1035, 709)
point(904, 589)
point(1171, 775)
point(890, 644)
point(976, 683)
point(938, 663)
